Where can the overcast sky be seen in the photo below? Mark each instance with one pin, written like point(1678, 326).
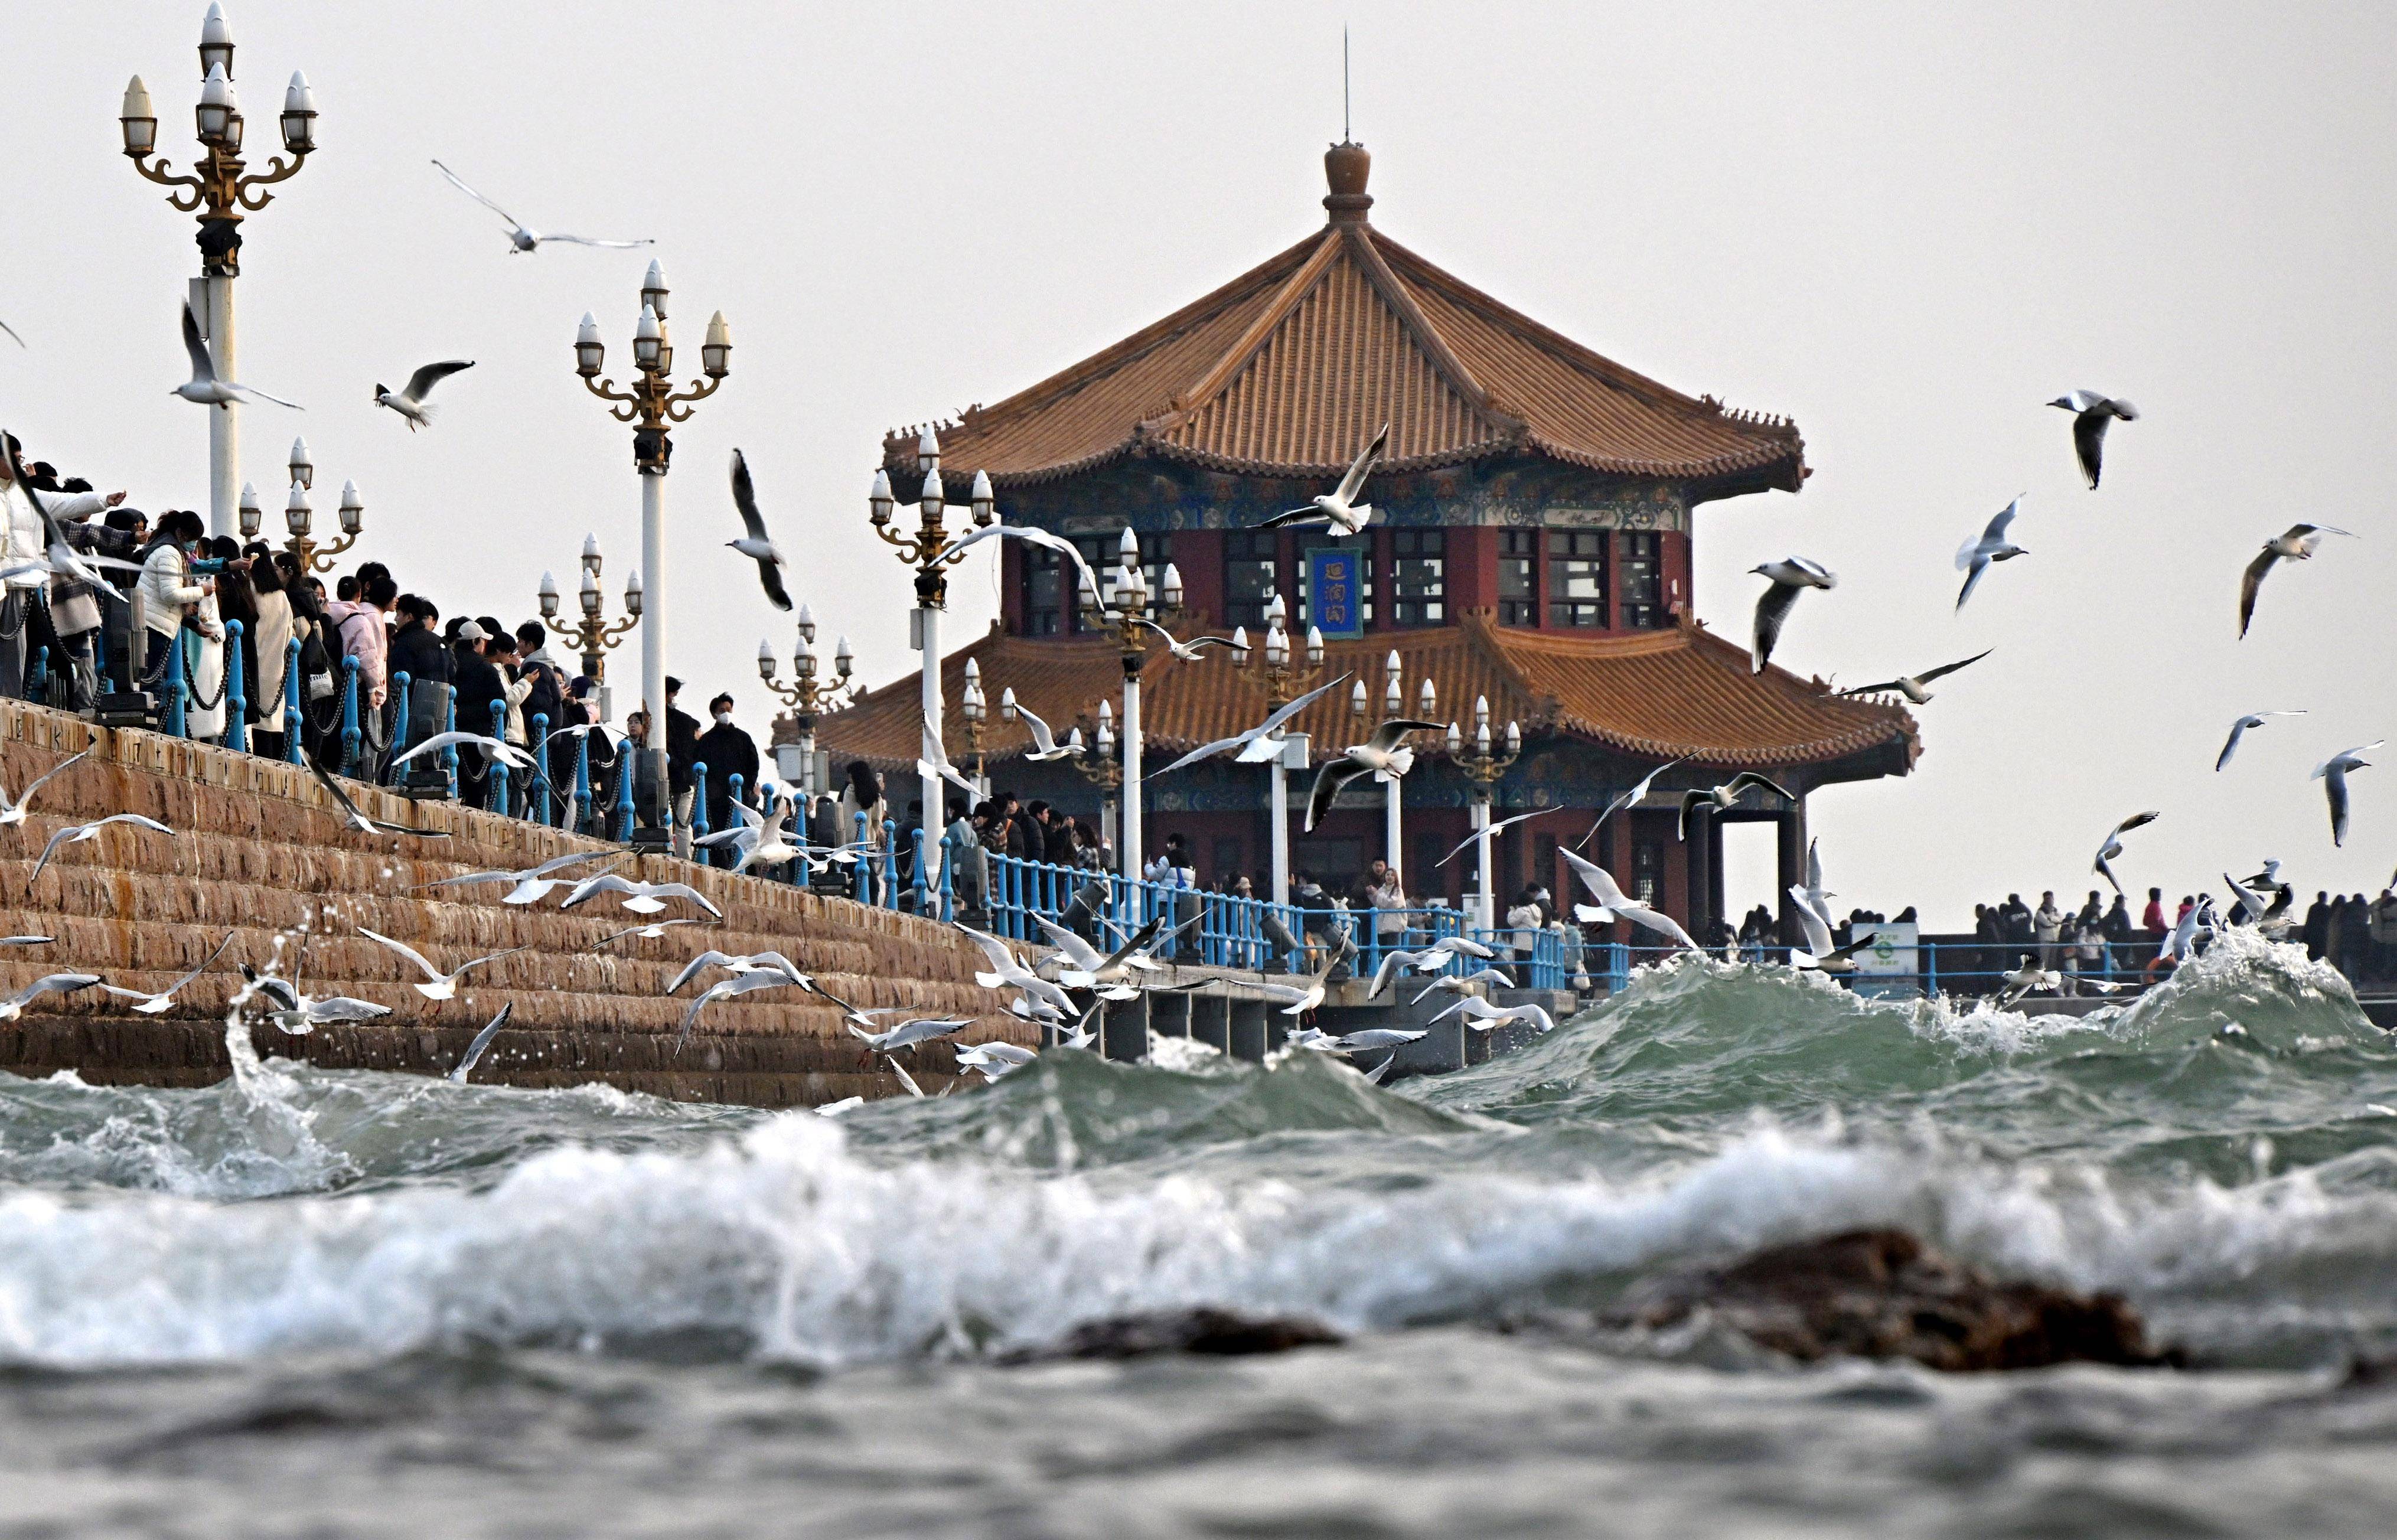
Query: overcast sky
point(1906, 226)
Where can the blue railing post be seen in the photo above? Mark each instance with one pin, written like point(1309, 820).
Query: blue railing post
point(625, 755)
point(450, 754)
point(498, 768)
point(864, 847)
point(171, 717)
point(734, 786)
point(705, 857)
point(891, 864)
point(581, 782)
point(349, 716)
point(403, 690)
point(294, 747)
point(236, 698)
point(539, 796)
point(37, 678)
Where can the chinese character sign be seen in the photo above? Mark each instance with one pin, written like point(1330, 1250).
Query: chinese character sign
point(1335, 592)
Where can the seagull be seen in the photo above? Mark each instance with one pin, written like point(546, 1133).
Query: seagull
point(443, 985)
point(1974, 557)
point(204, 386)
point(2112, 846)
point(2297, 545)
point(641, 898)
point(1107, 975)
point(2239, 729)
point(1613, 903)
point(48, 984)
point(756, 543)
point(2332, 773)
point(1041, 538)
point(1481, 1016)
point(1258, 743)
point(1374, 1037)
point(650, 931)
point(1627, 800)
point(2026, 978)
point(1722, 797)
point(409, 402)
point(482, 1041)
point(75, 834)
point(756, 962)
point(923, 1029)
point(1302, 1000)
point(14, 812)
point(2269, 914)
point(1812, 895)
point(2091, 413)
point(1460, 983)
point(358, 821)
point(760, 840)
point(1045, 746)
point(164, 999)
point(530, 886)
point(994, 1058)
point(933, 763)
point(26, 941)
point(1192, 651)
point(521, 238)
point(833, 1109)
point(1383, 756)
point(1428, 959)
point(1910, 685)
point(739, 984)
point(298, 1015)
point(1820, 952)
point(1790, 577)
point(1339, 507)
point(506, 753)
point(1007, 972)
point(906, 1079)
point(1493, 828)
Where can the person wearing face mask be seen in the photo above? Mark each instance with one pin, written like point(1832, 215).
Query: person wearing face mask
point(727, 752)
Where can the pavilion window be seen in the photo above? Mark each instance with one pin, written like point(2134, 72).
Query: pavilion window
point(1318, 541)
point(1577, 576)
point(1418, 577)
point(1648, 871)
point(1044, 590)
point(1643, 581)
point(1251, 576)
point(1518, 597)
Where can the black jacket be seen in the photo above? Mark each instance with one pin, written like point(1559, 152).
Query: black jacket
point(478, 685)
point(417, 651)
point(727, 752)
point(682, 748)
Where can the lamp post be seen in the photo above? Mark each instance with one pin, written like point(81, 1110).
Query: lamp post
point(1118, 613)
point(1100, 767)
point(807, 698)
point(927, 551)
point(1483, 765)
point(217, 192)
point(1394, 700)
point(592, 633)
point(975, 708)
point(300, 516)
point(653, 407)
point(1284, 676)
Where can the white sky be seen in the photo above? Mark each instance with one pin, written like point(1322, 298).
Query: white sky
point(1906, 226)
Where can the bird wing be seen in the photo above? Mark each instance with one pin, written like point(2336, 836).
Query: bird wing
point(2252, 580)
point(461, 970)
point(1493, 829)
point(482, 1041)
point(1972, 580)
point(344, 1008)
point(1043, 738)
point(203, 367)
point(202, 968)
point(405, 950)
point(479, 197)
point(12, 333)
point(694, 966)
point(1291, 515)
point(1080, 953)
point(2089, 442)
point(2334, 788)
point(1945, 669)
point(1819, 934)
point(2134, 820)
point(249, 390)
point(1394, 731)
point(26, 800)
point(424, 380)
point(1596, 878)
point(2255, 903)
point(2104, 870)
point(586, 240)
point(1772, 609)
point(1746, 780)
point(1362, 466)
point(349, 808)
point(744, 498)
point(1329, 783)
point(1284, 714)
point(1640, 914)
point(54, 984)
point(2231, 744)
point(682, 890)
point(769, 578)
point(1690, 801)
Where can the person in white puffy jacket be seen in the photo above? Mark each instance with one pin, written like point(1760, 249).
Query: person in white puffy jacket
point(166, 588)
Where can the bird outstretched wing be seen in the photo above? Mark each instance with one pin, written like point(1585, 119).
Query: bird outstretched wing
point(204, 368)
point(2250, 582)
point(420, 384)
point(454, 181)
point(1362, 466)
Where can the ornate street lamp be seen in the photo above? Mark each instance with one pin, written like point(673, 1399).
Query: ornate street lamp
point(1285, 671)
point(593, 633)
point(1100, 767)
point(1482, 764)
point(217, 192)
point(653, 407)
point(1394, 700)
point(300, 516)
point(1117, 614)
point(805, 695)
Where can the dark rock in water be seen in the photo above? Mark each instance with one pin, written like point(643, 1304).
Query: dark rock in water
point(1885, 1294)
point(1216, 1332)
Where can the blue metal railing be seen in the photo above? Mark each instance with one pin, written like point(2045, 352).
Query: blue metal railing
point(495, 768)
point(706, 855)
point(350, 732)
point(294, 741)
point(536, 799)
point(236, 732)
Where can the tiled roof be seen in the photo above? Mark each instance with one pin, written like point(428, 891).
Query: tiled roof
point(1287, 369)
point(1656, 694)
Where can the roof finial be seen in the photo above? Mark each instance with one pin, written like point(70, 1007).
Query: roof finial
point(1346, 137)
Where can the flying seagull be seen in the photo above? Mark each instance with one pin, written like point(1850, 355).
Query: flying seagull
point(1911, 685)
point(2113, 846)
point(1722, 797)
point(1045, 746)
point(1974, 557)
point(1428, 959)
point(75, 834)
point(1042, 538)
point(528, 886)
point(298, 1014)
point(1820, 952)
point(739, 984)
point(48, 984)
point(2297, 545)
point(1613, 903)
point(506, 753)
point(358, 821)
point(1493, 828)
point(1339, 507)
point(204, 386)
point(932, 762)
point(1383, 756)
point(2239, 729)
point(2091, 413)
point(924, 1029)
point(521, 238)
point(442, 985)
point(2028, 977)
point(1258, 743)
point(409, 401)
point(1298, 1000)
point(755, 543)
point(756, 962)
point(1373, 1038)
point(1813, 893)
point(482, 1041)
point(1790, 577)
point(2332, 773)
point(1627, 800)
point(1481, 1016)
point(1462, 983)
point(1193, 649)
point(14, 812)
point(650, 931)
point(994, 1058)
point(641, 898)
point(164, 999)
point(2268, 913)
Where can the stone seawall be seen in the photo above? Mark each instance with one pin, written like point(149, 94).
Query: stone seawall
point(259, 852)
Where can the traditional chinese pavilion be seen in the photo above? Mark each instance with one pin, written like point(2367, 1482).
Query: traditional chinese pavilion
point(1532, 545)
